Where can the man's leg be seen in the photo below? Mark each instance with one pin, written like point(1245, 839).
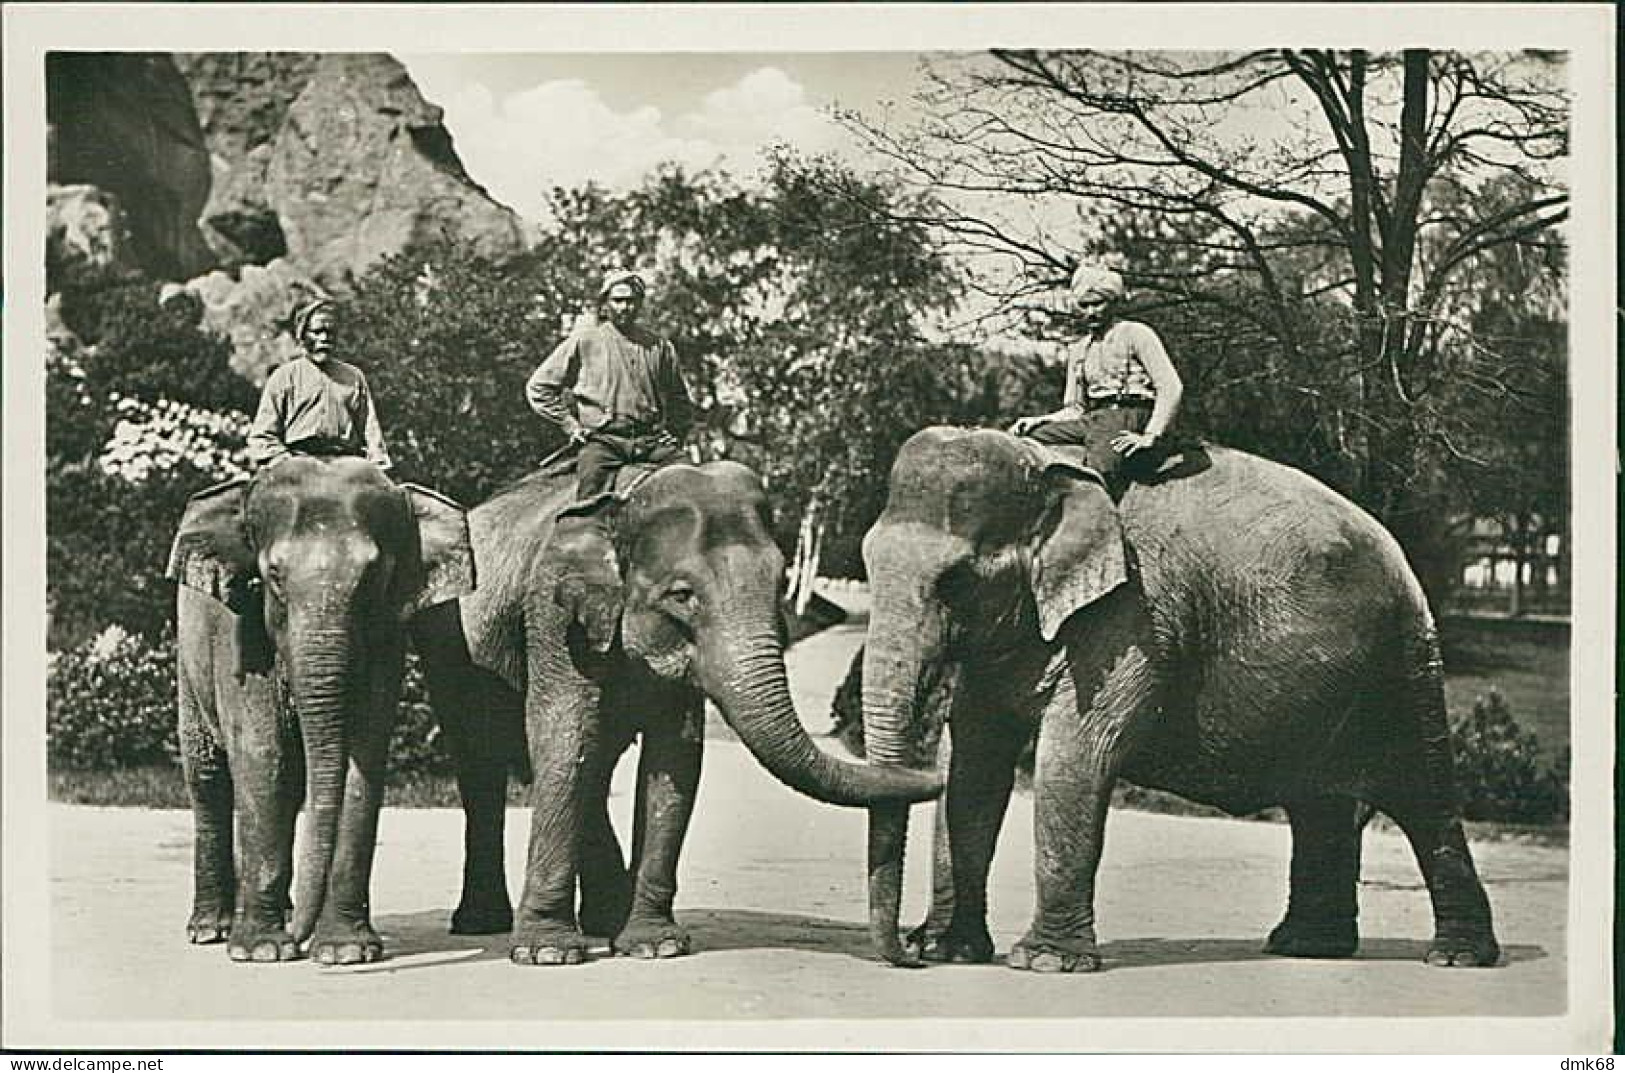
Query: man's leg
point(600, 459)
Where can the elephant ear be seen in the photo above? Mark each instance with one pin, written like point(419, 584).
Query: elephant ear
point(211, 553)
point(1079, 556)
point(445, 560)
point(589, 583)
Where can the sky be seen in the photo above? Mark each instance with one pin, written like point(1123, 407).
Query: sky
point(523, 123)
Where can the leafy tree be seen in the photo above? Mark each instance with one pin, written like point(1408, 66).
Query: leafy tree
point(448, 340)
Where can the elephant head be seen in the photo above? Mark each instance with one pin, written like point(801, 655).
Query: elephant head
point(682, 578)
point(322, 561)
point(983, 539)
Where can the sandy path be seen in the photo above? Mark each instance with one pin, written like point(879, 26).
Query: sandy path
point(772, 888)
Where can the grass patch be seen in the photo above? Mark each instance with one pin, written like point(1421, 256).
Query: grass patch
point(1528, 663)
point(165, 787)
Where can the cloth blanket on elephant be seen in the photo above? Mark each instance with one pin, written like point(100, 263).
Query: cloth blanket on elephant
point(1181, 456)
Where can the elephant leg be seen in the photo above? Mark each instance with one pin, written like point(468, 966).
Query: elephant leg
point(208, 784)
point(1419, 793)
point(1322, 908)
point(981, 773)
point(562, 715)
point(924, 941)
point(1078, 758)
point(1463, 929)
point(669, 777)
point(606, 885)
point(263, 764)
point(479, 716)
point(344, 933)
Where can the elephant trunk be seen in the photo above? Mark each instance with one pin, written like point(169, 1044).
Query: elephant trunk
point(321, 672)
point(899, 665)
point(748, 683)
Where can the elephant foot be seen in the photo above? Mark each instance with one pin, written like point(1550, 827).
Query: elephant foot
point(480, 916)
point(958, 946)
point(209, 926)
point(1464, 952)
point(652, 939)
point(1298, 938)
point(547, 944)
point(1034, 955)
point(271, 944)
point(355, 944)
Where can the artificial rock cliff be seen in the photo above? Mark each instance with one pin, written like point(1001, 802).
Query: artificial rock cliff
point(251, 179)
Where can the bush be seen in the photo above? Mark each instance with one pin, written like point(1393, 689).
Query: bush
point(110, 703)
point(107, 542)
point(417, 747)
point(1498, 768)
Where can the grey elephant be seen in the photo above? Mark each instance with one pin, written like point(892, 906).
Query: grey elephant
point(1237, 634)
point(294, 591)
point(595, 625)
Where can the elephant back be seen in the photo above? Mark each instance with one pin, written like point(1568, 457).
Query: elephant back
point(1246, 534)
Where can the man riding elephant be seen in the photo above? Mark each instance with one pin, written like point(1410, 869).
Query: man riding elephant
point(1122, 391)
point(615, 388)
point(316, 404)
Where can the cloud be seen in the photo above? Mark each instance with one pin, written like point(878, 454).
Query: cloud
point(563, 133)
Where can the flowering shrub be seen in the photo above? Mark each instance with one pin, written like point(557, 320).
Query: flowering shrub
point(162, 435)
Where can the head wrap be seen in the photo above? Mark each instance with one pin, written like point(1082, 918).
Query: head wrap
point(1093, 281)
point(301, 317)
point(618, 277)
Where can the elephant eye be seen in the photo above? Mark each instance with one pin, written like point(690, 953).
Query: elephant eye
point(682, 593)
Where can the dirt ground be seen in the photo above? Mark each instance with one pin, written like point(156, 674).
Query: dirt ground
point(772, 889)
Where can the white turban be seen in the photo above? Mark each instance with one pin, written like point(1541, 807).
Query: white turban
point(620, 277)
point(1091, 281)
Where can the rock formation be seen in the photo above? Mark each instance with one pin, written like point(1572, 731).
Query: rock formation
point(333, 161)
point(256, 178)
point(88, 243)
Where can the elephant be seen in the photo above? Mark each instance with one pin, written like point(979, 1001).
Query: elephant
point(1231, 631)
point(596, 623)
point(294, 591)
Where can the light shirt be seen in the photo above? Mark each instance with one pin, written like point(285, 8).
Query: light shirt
point(611, 375)
point(1112, 363)
point(302, 400)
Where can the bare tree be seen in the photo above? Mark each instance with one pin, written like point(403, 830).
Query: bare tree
point(1259, 181)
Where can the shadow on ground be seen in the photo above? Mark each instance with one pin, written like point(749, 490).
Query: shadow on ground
point(420, 940)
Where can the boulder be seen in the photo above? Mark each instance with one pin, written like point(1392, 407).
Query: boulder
point(254, 310)
point(88, 244)
point(123, 122)
point(334, 162)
